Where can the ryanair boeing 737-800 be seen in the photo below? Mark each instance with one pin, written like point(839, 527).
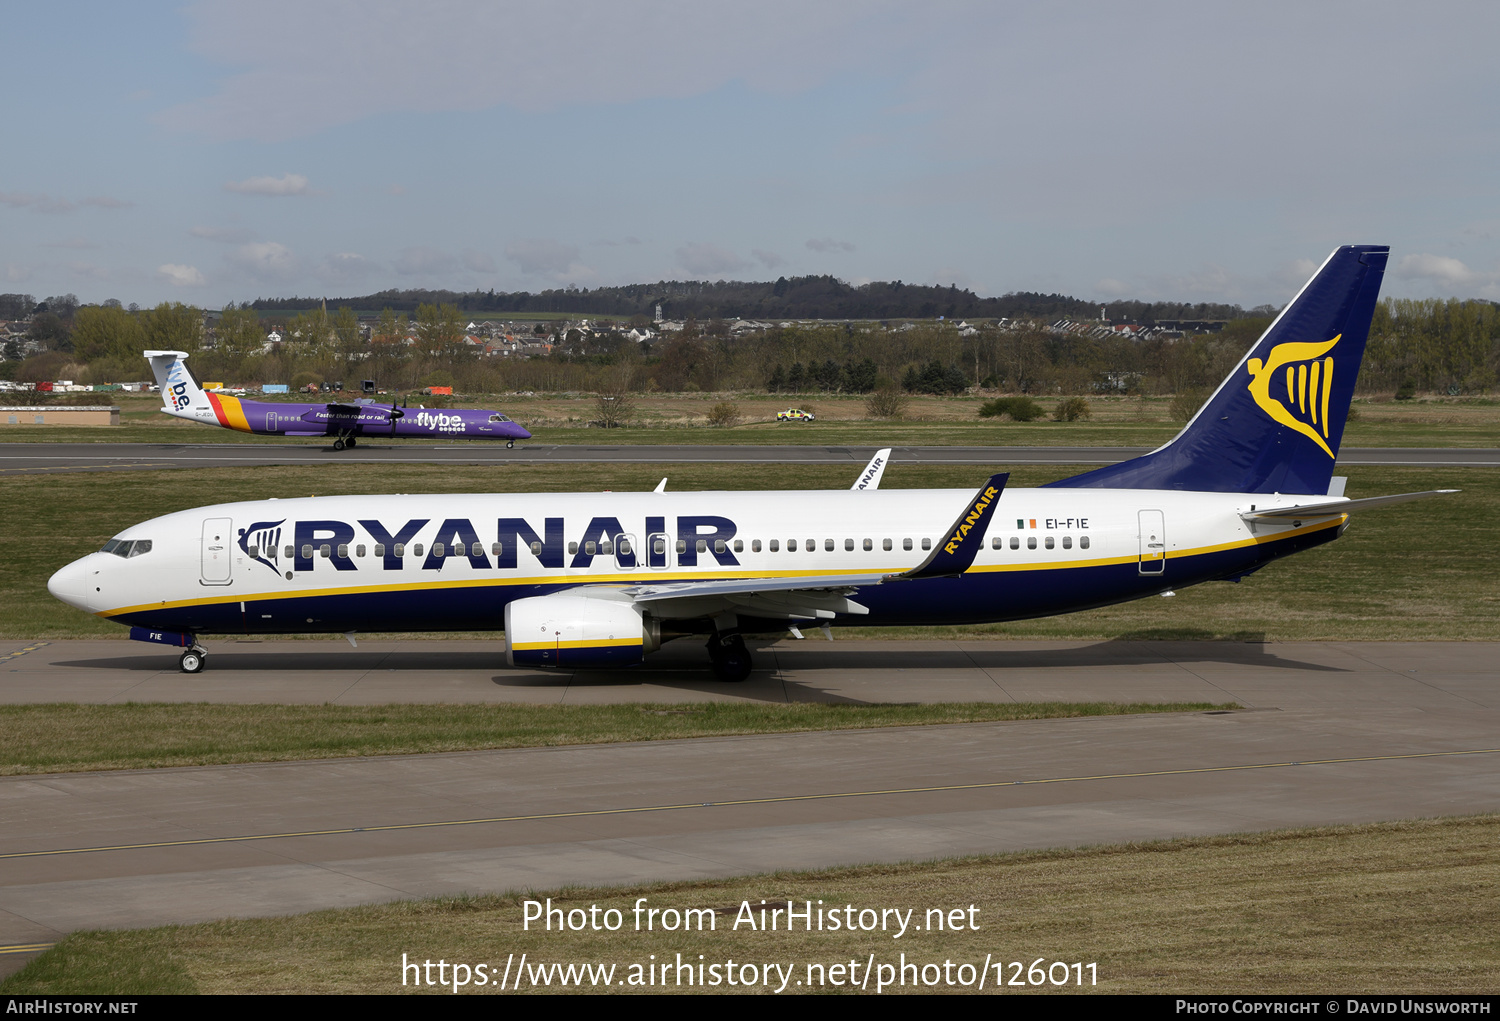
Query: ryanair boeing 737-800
point(605, 578)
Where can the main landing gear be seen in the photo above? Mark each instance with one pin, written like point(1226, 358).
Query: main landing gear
point(344, 441)
point(729, 657)
point(191, 662)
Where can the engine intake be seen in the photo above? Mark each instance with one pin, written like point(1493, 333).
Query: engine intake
point(571, 629)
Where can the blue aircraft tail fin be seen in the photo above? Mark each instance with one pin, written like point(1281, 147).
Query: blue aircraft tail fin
point(1275, 424)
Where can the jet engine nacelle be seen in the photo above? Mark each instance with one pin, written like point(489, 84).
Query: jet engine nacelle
point(575, 629)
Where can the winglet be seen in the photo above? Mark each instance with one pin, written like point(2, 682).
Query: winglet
point(870, 477)
point(963, 540)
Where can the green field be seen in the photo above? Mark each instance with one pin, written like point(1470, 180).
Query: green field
point(67, 738)
point(842, 420)
point(1401, 908)
point(1420, 571)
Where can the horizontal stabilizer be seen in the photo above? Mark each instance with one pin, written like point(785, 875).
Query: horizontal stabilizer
point(1328, 508)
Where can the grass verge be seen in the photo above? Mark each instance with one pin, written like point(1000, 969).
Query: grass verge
point(1404, 907)
point(62, 738)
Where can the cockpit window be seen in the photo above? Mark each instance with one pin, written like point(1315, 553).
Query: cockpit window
point(127, 548)
point(498, 418)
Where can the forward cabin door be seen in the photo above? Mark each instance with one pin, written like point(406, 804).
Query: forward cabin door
point(1153, 539)
point(217, 550)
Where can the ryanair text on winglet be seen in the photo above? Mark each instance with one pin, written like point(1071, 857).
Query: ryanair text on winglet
point(970, 519)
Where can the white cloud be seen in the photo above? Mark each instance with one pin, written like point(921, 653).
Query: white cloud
point(225, 235)
point(286, 184)
point(180, 276)
point(542, 256)
point(826, 245)
point(417, 55)
point(41, 203)
point(770, 260)
point(265, 261)
point(478, 262)
point(1112, 288)
point(1439, 268)
point(15, 272)
point(708, 260)
point(420, 260)
point(343, 268)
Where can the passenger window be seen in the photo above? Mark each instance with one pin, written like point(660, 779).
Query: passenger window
point(437, 549)
point(495, 549)
point(290, 551)
point(754, 545)
point(869, 545)
point(400, 549)
point(1015, 543)
point(588, 548)
point(1083, 542)
point(660, 546)
point(927, 543)
point(812, 545)
point(1050, 542)
point(719, 546)
point(307, 552)
point(343, 551)
point(702, 545)
point(536, 549)
point(1031, 542)
point(995, 542)
point(739, 545)
point(572, 548)
point(775, 545)
point(359, 550)
point(477, 550)
point(416, 549)
point(1067, 542)
point(791, 545)
point(606, 547)
point(252, 551)
point(380, 549)
point(906, 544)
point(681, 545)
point(885, 544)
point(848, 545)
point(624, 547)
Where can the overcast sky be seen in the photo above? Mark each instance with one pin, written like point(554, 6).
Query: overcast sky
point(227, 150)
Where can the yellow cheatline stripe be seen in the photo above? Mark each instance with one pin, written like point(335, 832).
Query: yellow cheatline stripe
point(787, 799)
point(643, 578)
point(25, 948)
point(600, 643)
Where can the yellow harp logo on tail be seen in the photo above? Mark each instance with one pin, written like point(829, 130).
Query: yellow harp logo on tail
point(1307, 383)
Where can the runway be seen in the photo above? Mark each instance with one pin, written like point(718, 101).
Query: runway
point(53, 458)
point(1332, 733)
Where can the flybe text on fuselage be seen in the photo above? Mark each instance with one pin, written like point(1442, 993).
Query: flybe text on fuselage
point(491, 547)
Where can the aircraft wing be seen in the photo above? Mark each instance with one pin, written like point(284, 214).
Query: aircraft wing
point(810, 598)
point(1328, 508)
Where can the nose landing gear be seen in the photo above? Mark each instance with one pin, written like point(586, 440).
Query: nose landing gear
point(191, 662)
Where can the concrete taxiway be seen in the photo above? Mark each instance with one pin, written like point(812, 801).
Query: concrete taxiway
point(52, 458)
point(1331, 733)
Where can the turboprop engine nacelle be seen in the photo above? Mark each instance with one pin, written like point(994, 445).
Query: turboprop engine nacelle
point(570, 629)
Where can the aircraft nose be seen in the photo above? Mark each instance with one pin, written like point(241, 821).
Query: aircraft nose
point(521, 433)
point(70, 584)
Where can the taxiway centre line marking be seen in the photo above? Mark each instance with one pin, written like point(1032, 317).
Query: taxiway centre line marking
point(743, 801)
point(21, 652)
point(25, 948)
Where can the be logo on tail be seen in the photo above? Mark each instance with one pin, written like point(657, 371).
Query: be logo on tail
point(1307, 382)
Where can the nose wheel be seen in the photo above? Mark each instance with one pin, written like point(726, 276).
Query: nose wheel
point(510, 444)
point(191, 662)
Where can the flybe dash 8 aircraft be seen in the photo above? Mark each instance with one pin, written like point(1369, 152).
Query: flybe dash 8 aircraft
point(182, 397)
point(590, 579)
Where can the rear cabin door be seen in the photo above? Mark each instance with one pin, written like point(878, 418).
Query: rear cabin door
point(1153, 539)
point(217, 550)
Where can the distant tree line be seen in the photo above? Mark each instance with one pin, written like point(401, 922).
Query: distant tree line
point(809, 297)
